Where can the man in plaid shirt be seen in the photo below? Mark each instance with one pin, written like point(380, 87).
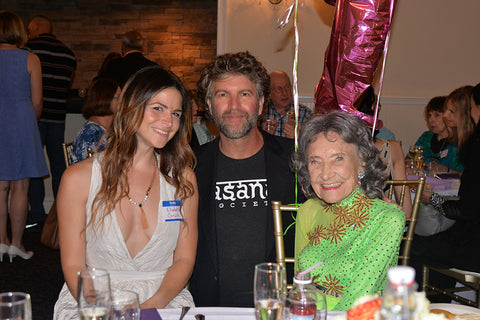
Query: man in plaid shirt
point(279, 116)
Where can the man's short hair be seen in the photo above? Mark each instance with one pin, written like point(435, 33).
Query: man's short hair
point(132, 40)
point(241, 63)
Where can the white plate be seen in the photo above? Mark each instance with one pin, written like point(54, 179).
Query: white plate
point(455, 308)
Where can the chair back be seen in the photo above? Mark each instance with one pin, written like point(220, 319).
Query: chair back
point(278, 232)
point(67, 150)
point(412, 221)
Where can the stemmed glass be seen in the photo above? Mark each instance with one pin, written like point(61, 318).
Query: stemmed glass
point(94, 295)
point(125, 305)
point(15, 305)
point(269, 287)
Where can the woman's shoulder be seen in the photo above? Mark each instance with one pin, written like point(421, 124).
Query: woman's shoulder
point(383, 210)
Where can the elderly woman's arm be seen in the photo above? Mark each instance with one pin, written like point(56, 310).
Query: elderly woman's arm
point(184, 257)
point(371, 272)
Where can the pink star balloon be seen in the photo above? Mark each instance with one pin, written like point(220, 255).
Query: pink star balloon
point(359, 33)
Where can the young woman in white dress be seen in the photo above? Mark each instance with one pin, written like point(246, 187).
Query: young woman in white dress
point(132, 209)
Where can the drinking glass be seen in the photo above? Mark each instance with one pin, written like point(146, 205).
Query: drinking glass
point(94, 296)
point(15, 305)
point(125, 305)
point(269, 287)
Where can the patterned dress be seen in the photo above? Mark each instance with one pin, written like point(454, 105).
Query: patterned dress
point(88, 137)
point(357, 240)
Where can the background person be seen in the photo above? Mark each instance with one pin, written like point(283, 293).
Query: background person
point(58, 66)
point(457, 118)
point(20, 146)
point(99, 108)
point(456, 247)
point(132, 208)
point(344, 224)
point(436, 147)
point(131, 61)
point(390, 151)
point(280, 106)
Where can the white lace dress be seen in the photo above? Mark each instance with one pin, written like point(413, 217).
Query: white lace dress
point(107, 249)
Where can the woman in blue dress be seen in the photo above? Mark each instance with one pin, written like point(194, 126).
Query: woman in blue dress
point(21, 155)
point(99, 107)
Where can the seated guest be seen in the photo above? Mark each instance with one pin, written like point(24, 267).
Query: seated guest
point(456, 115)
point(99, 106)
point(280, 110)
point(456, 247)
point(239, 174)
point(436, 147)
point(390, 151)
point(367, 106)
point(132, 208)
point(344, 224)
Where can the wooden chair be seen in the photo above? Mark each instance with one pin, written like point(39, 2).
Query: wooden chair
point(278, 209)
point(67, 151)
point(412, 221)
point(467, 280)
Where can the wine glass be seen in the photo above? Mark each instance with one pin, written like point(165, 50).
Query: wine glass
point(94, 296)
point(15, 305)
point(125, 305)
point(269, 287)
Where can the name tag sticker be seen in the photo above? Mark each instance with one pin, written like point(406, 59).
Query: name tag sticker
point(443, 153)
point(171, 210)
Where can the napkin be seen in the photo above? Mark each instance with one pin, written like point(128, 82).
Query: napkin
point(149, 314)
point(436, 184)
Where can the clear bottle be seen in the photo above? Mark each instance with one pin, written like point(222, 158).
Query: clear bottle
point(398, 297)
point(304, 299)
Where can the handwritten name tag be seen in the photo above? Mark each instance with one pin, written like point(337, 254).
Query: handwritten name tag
point(443, 153)
point(171, 210)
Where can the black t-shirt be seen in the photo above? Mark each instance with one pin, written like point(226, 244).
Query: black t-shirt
point(241, 208)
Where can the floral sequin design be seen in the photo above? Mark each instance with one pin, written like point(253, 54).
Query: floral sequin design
point(332, 285)
point(354, 215)
point(336, 232)
point(361, 202)
point(318, 234)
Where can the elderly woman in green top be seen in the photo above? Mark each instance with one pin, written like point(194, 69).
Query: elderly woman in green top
point(345, 224)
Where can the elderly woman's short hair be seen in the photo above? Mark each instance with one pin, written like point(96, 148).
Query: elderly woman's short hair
point(352, 130)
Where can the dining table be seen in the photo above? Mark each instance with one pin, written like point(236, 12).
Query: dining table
point(214, 313)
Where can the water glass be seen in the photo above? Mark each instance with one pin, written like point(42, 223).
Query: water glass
point(269, 287)
point(125, 305)
point(94, 295)
point(15, 305)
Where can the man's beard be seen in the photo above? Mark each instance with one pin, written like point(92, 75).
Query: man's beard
point(249, 123)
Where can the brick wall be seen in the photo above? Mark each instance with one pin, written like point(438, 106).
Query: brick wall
point(179, 34)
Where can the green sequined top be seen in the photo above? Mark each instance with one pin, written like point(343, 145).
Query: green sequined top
point(357, 240)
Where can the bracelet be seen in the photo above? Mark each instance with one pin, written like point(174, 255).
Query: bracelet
point(436, 201)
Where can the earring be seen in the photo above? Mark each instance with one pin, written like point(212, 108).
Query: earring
point(360, 176)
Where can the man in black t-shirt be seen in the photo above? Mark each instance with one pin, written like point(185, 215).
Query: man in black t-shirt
point(238, 175)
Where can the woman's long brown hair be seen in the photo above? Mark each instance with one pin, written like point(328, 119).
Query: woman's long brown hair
point(175, 157)
point(460, 98)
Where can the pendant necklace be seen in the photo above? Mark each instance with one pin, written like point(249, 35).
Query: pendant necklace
point(140, 204)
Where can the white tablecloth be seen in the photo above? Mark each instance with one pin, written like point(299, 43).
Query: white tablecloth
point(221, 313)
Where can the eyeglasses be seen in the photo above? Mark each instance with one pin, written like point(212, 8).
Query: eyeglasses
point(287, 88)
